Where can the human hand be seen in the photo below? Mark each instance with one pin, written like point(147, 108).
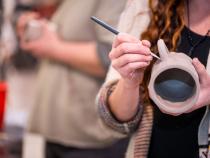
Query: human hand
point(46, 46)
point(204, 77)
point(130, 57)
point(23, 21)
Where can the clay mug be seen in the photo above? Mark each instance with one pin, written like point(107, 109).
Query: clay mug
point(174, 84)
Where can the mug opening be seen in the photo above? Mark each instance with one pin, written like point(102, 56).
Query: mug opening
point(175, 85)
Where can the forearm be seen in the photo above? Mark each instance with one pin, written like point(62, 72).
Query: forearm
point(80, 55)
point(124, 101)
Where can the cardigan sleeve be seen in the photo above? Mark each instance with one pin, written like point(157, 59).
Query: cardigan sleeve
point(108, 117)
point(134, 20)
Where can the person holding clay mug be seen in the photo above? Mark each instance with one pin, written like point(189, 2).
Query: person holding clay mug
point(124, 101)
point(73, 56)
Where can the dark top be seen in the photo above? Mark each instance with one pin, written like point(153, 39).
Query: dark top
point(177, 136)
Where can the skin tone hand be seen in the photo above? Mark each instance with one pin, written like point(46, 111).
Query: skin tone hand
point(23, 20)
point(129, 57)
point(39, 47)
point(36, 47)
point(80, 55)
point(204, 96)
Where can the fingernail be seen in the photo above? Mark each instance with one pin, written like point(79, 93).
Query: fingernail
point(195, 59)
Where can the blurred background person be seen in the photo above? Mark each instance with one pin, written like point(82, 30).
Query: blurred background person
point(18, 73)
point(74, 60)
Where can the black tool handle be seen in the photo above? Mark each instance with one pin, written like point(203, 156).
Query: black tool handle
point(106, 26)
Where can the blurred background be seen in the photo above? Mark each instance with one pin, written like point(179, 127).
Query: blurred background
point(19, 70)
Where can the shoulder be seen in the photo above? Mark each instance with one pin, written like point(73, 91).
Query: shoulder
point(137, 6)
point(135, 17)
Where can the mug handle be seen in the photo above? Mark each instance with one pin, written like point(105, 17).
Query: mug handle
point(163, 50)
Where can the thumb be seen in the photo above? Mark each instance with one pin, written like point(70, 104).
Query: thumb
point(200, 68)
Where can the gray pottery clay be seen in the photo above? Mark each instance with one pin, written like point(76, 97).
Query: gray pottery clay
point(174, 83)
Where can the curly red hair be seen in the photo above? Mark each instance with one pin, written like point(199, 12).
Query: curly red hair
point(167, 22)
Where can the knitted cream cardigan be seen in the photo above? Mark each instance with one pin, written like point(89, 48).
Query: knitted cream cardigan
point(134, 20)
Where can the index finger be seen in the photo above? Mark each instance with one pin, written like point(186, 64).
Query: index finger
point(124, 37)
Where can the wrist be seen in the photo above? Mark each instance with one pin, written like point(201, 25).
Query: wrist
point(123, 102)
point(130, 84)
point(56, 50)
